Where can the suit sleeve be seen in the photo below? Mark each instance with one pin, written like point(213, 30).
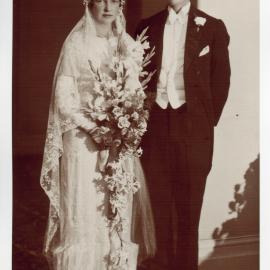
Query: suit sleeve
point(140, 27)
point(221, 71)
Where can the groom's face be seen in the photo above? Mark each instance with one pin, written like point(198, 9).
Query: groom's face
point(177, 2)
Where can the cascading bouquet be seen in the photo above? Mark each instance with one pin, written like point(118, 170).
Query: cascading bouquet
point(117, 106)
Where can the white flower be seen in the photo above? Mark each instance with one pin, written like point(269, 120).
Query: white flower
point(200, 21)
point(143, 124)
point(139, 151)
point(146, 45)
point(111, 84)
point(123, 122)
point(97, 87)
point(127, 104)
point(99, 101)
point(117, 111)
point(135, 116)
point(124, 131)
point(132, 83)
point(97, 115)
point(101, 116)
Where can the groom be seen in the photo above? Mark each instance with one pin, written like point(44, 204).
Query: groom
point(186, 96)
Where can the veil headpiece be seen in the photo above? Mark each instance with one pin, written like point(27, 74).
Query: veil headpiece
point(86, 2)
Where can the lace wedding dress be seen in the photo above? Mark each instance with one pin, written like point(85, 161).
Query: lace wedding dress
point(77, 236)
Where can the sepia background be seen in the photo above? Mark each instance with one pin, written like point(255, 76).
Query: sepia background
point(229, 229)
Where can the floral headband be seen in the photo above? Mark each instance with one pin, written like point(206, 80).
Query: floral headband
point(86, 2)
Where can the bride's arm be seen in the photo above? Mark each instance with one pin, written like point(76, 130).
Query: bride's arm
point(67, 99)
point(68, 103)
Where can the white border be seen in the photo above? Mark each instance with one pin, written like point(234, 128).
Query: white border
point(5, 134)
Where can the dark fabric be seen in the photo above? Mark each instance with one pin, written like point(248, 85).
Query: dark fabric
point(176, 188)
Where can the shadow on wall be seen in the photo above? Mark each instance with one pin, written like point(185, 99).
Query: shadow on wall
point(237, 241)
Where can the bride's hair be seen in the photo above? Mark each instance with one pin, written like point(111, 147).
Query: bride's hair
point(87, 2)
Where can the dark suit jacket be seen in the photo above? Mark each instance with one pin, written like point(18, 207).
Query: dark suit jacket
point(207, 78)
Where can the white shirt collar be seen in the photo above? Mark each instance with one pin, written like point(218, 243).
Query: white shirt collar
point(173, 16)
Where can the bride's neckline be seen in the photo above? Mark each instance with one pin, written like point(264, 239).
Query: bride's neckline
point(107, 36)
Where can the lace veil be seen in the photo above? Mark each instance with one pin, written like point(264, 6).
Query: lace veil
point(142, 223)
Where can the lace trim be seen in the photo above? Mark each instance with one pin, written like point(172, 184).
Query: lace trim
point(49, 180)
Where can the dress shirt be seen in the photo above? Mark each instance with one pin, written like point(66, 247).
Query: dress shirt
point(170, 87)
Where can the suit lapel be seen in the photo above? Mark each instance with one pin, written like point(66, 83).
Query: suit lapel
point(192, 39)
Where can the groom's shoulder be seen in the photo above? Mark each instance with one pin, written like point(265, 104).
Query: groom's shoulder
point(212, 21)
point(157, 16)
point(150, 21)
point(154, 18)
point(215, 26)
point(201, 13)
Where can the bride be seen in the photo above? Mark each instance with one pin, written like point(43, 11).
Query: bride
point(78, 235)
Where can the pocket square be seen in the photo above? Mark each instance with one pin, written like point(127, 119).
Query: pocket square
point(204, 51)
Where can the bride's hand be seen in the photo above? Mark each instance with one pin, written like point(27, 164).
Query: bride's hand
point(103, 159)
point(95, 134)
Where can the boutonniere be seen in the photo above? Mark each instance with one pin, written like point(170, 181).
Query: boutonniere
point(199, 21)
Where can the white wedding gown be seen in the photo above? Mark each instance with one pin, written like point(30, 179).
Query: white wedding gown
point(77, 236)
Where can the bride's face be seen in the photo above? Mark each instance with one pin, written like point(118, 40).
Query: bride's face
point(105, 11)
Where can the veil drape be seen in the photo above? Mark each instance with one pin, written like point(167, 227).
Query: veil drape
point(142, 223)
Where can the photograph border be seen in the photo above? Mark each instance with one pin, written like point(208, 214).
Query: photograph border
point(6, 8)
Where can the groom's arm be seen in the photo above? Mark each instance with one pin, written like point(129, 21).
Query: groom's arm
point(151, 95)
point(220, 70)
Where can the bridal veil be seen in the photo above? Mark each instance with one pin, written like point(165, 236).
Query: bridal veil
point(58, 124)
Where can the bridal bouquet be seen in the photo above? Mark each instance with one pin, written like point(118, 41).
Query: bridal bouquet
point(117, 106)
